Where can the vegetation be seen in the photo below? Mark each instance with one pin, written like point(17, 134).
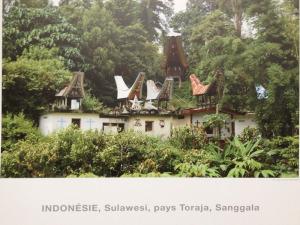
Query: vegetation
point(265, 54)
point(43, 44)
point(75, 153)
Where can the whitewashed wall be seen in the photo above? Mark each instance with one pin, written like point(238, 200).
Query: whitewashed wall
point(243, 121)
point(157, 130)
point(52, 122)
point(186, 121)
point(225, 131)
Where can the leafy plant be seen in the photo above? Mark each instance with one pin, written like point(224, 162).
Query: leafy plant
point(215, 121)
point(91, 104)
point(16, 128)
point(249, 134)
point(188, 138)
point(196, 170)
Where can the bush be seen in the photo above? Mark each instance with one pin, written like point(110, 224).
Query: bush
point(91, 104)
point(282, 154)
point(250, 134)
point(188, 138)
point(16, 128)
point(75, 153)
point(196, 170)
point(123, 152)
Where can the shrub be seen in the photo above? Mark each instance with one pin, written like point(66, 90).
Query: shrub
point(29, 159)
point(16, 128)
point(122, 154)
point(282, 154)
point(91, 104)
point(244, 159)
point(188, 138)
point(250, 134)
point(196, 170)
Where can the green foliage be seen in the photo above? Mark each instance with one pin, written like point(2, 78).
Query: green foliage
point(34, 3)
point(182, 97)
point(75, 153)
point(215, 120)
point(91, 104)
point(112, 45)
point(244, 157)
point(213, 41)
point(16, 128)
point(196, 170)
point(282, 154)
point(188, 138)
point(151, 12)
point(250, 134)
point(30, 84)
point(26, 27)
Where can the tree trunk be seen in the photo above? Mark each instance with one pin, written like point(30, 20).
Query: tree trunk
point(238, 16)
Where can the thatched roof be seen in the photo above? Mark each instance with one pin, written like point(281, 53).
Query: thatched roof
point(75, 88)
point(174, 53)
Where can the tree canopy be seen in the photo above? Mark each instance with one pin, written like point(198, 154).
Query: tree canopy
point(214, 39)
point(251, 43)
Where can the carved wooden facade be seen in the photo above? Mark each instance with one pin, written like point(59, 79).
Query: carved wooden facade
point(70, 97)
point(175, 65)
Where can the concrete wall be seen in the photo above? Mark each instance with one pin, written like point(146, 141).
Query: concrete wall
point(186, 121)
point(138, 124)
point(52, 122)
point(197, 118)
point(241, 122)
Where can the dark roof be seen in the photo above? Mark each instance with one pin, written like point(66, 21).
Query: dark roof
point(75, 88)
point(174, 53)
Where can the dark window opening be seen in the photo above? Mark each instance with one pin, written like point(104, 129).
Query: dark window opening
point(76, 122)
point(209, 130)
point(121, 127)
point(232, 128)
point(148, 126)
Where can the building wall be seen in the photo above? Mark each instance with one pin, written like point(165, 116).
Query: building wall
point(52, 122)
point(186, 121)
point(241, 122)
point(138, 123)
point(198, 119)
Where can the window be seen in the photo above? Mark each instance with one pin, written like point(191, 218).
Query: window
point(121, 127)
point(75, 104)
point(76, 122)
point(148, 126)
point(209, 130)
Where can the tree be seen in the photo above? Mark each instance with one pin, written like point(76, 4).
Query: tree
point(16, 128)
point(34, 3)
point(151, 15)
point(24, 27)
point(31, 82)
point(124, 12)
point(111, 45)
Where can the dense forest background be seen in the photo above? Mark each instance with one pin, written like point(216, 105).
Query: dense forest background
point(253, 43)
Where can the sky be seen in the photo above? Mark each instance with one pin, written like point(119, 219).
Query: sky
point(179, 5)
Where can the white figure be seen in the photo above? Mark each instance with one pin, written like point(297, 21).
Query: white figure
point(136, 104)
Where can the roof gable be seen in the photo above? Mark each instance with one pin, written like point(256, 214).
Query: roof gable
point(75, 88)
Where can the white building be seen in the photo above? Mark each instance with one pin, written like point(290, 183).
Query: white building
point(151, 121)
point(54, 121)
point(233, 127)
